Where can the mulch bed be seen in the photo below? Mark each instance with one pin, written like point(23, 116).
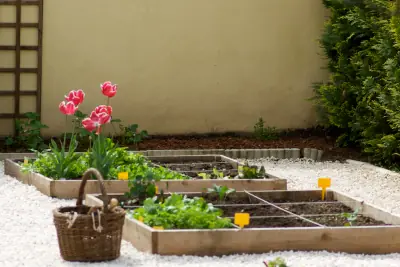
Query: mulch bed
point(307, 138)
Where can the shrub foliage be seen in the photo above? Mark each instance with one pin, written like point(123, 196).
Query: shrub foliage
point(361, 40)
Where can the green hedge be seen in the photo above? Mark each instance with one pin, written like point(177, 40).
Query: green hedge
point(362, 43)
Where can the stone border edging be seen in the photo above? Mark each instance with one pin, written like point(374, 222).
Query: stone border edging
point(278, 153)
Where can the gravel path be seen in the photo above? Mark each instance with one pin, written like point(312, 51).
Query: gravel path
point(28, 237)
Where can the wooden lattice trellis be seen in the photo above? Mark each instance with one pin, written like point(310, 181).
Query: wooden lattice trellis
point(16, 92)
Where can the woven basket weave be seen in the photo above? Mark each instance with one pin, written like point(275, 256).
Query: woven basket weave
point(89, 237)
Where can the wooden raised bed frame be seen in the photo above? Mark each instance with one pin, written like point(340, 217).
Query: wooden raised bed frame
point(68, 189)
point(356, 239)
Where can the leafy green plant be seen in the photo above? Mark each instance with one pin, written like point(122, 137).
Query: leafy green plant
point(214, 175)
point(103, 154)
point(251, 172)
point(180, 212)
point(27, 133)
point(130, 134)
point(221, 191)
point(265, 133)
point(277, 262)
point(142, 186)
point(350, 217)
point(50, 165)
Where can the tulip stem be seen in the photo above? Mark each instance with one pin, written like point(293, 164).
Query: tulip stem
point(65, 132)
point(112, 124)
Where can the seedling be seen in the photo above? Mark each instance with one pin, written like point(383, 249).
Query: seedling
point(214, 175)
point(350, 217)
point(222, 191)
point(278, 262)
point(251, 172)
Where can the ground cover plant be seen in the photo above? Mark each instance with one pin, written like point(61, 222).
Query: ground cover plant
point(61, 161)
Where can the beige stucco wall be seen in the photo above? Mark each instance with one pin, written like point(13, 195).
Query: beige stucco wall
point(185, 65)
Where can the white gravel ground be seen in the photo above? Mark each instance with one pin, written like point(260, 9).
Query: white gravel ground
point(28, 237)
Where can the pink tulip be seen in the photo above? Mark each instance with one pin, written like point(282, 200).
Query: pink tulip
point(76, 96)
point(101, 115)
point(103, 108)
point(90, 124)
point(68, 108)
point(108, 89)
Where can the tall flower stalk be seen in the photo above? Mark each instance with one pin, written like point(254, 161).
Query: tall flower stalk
point(102, 152)
point(61, 159)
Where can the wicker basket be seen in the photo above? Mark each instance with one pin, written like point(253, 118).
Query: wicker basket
point(87, 234)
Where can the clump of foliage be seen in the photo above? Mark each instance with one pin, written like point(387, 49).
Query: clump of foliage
point(180, 212)
point(27, 133)
point(131, 135)
point(265, 133)
point(362, 43)
point(221, 191)
point(142, 186)
point(214, 175)
point(350, 217)
point(277, 262)
point(251, 172)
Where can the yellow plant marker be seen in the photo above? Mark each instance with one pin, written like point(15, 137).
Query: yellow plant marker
point(242, 219)
point(158, 228)
point(140, 219)
point(26, 161)
point(157, 190)
point(122, 176)
point(324, 183)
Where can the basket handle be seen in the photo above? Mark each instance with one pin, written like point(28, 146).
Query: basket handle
point(99, 177)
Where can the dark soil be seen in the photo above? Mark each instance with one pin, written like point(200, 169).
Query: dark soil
point(302, 138)
point(231, 199)
point(331, 221)
point(199, 166)
point(277, 222)
point(253, 210)
point(317, 208)
point(301, 209)
point(340, 221)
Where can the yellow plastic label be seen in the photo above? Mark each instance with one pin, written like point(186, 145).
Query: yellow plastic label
point(324, 183)
point(26, 161)
point(242, 219)
point(140, 219)
point(157, 190)
point(122, 176)
point(158, 228)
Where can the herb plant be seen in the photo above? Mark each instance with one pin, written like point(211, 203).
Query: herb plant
point(277, 262)
point(130, 134)
point(180, 212)
point(265, 133)
point(27, 133)
point(350, 217)
point(214, 175)
point(251, 172)
point(142, 187)
point(221, 191)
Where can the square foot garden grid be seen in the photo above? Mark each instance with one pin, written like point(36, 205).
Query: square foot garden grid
point(69, 188)
point(280, 221)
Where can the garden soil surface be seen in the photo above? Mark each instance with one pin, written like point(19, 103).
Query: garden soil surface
point(307, 138)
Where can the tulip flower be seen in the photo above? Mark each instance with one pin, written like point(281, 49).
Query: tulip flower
point(75, 96)
point(68, 108)
point(108, 89)
point(101, 115)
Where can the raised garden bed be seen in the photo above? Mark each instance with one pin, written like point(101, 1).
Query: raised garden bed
point(69, 188)
point(280, 220)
